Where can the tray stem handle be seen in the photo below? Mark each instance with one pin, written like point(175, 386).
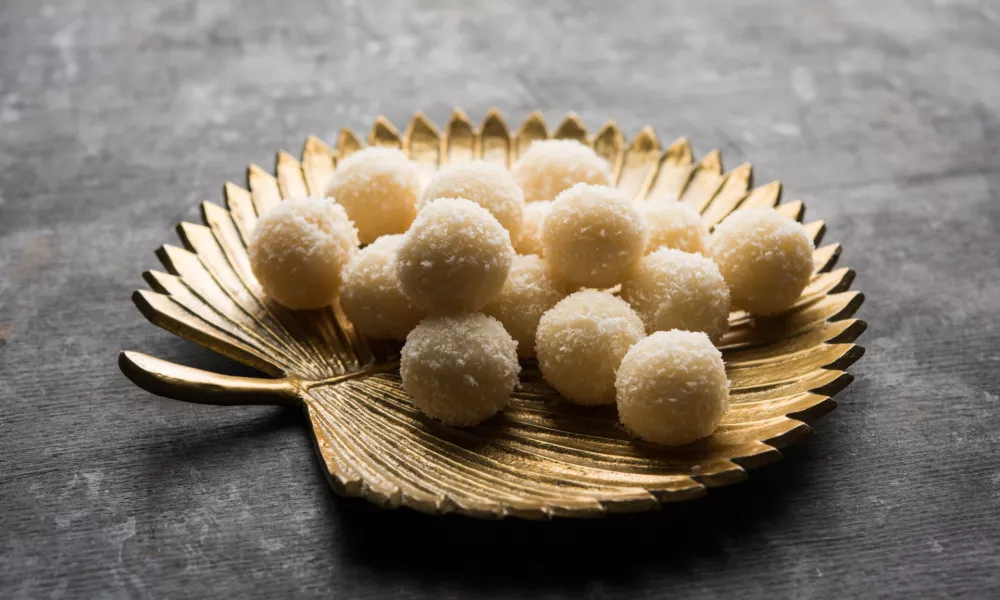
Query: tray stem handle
point(171, 380)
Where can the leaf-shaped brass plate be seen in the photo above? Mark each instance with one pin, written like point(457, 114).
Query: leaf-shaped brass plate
point(541, 457)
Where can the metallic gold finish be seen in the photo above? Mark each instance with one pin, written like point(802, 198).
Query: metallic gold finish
point(542, 457)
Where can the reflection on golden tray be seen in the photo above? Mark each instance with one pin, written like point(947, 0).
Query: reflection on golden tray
point(541, 457)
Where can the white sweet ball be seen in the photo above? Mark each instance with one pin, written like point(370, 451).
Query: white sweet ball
point(298, 250)
point(766, 258)
point(671, 289)
point(672, 388)
point(581, 341)
point(379, 188)
point(460, 369)
point(674, 225)
point(454, 258)
point(531, 234)
point(593, 235)
point(371, 295)
point(528, 293)
point(551, 166)
point(487, 184)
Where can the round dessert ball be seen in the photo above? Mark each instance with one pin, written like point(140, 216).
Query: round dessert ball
point(487, 184)
point(674, 225)
point(593, 235)
point(371, 295)
point(671, 289)
point(672, 388)
point(765, 257)
point(298, 250)
point(528, 293)
point(379, 188)
point(460, 369)
point(531, 233)
point(454, 258)
point(551, 166)
point(581, 341)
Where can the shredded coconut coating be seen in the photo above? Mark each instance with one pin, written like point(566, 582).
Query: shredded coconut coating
point(674, 225)
point(671, 289)
point(672, 388)
point(371, 295)
point(593, 236)
point(766, 258)
point(487, 184)
point(459, 370)
point(551, 166)
point(581, 341)
point(298, 250)
point(379, 188)
point(454, 258)
point(531, 233)
point(528, 293)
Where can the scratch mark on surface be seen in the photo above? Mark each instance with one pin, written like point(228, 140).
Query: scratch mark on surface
point(65, 42)
point(93, 480)
point(804, 84)
point(122, 533)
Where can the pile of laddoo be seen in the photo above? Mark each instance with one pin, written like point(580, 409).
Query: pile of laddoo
point(620, 302)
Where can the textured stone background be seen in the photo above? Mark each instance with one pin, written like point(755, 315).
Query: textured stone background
point(117, 117)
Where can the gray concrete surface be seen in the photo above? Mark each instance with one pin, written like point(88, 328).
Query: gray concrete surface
point(118, 116)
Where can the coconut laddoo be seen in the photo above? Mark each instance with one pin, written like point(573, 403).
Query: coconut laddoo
point(581, 341)
point(550, 166)
point(487, 184)
point(371, 295)
point(672, 388)
point(527, 294)
point(459, 369)
point(671, 289)
point(298, 250)
point(454, 258)
point(593, 236)
point(674, 225)
point(379, 188)
point(765, 257)
point(531, 232)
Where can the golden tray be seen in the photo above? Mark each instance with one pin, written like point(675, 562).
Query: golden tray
point(541, 457)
